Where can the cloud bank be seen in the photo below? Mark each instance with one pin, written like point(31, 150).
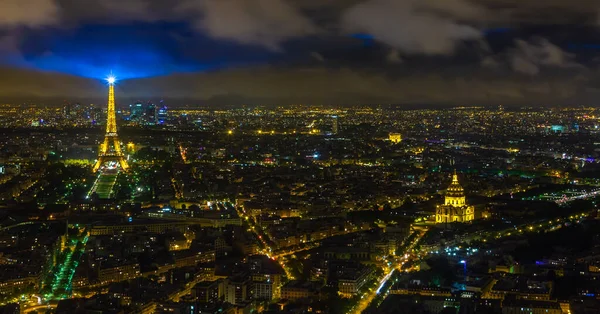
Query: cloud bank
point(413, 26)
point(406, 29)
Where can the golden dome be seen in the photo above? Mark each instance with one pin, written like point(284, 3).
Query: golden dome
point(455, 189)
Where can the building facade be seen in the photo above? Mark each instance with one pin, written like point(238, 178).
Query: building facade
point(395, 138)
point(455, 207)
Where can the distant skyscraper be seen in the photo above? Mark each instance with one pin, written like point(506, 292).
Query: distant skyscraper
point(162, 113)
point(67, 110)
point(77, 111)
point(575, 127)
point(97, 115)
point(151, 114)
point(136, 112)
point(335, 124)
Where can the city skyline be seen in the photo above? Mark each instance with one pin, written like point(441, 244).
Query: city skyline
point(348, 210)
point(300, 156)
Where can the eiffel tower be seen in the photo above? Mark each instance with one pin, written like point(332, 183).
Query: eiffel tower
point(110, 149)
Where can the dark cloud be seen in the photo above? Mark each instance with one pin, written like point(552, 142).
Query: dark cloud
point(268, 23)
point(394, 56)
point(549, 12)
point(317, 56)
point(29, 13)
point(412, 26)
point(430, 27)
point(112, 11)
point(521, 64)
point(9, 44)
point(530, 57)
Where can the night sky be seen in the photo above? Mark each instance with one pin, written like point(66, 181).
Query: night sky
point(295, 51)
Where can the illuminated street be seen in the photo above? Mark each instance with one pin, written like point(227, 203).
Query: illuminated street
point(396, 265)
point(60, 286)
point(265, 243)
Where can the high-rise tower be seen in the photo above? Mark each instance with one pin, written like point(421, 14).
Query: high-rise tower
point(110, 149)
point(335, 125)
point(162, 114)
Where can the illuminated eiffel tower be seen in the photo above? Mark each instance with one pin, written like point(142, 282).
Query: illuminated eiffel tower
point(110, 149)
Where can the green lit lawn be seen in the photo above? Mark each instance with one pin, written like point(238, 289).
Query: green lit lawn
point(105, 185)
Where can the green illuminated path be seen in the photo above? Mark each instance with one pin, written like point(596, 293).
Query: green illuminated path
point(60, 285)
point(104, 184)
